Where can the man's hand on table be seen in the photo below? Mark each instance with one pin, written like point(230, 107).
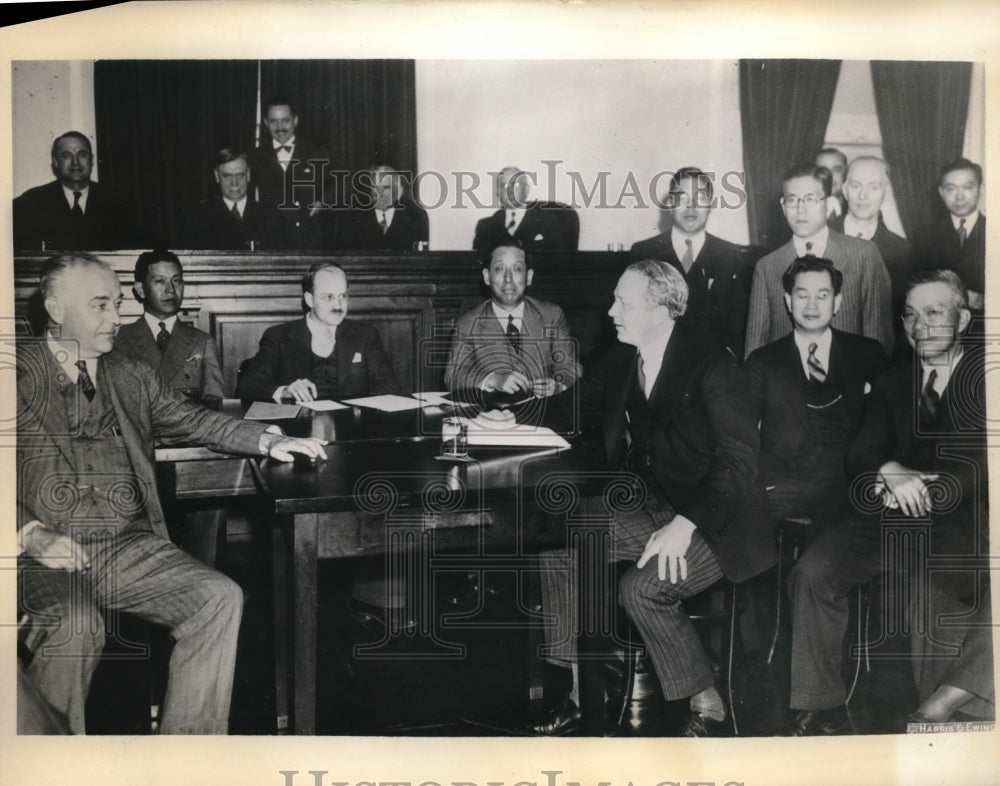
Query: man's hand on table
point(283, 448)
point(300, 390)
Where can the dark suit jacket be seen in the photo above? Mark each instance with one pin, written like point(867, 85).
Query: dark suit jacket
point(954, 446)
point(191, 361)
point(212, 226)
point(895, 251)
point(703, 445)
point(545, 226)
point(866, 309)
point(363, 368)
point(718, 286)
point(776, 395)
point(358, 229)
point(936, 246)
point(148, 412)
point(481, 347)
point(308, 179)
point(43, 214)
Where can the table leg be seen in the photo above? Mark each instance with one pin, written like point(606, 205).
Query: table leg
point(592, 561)
point(304, 569)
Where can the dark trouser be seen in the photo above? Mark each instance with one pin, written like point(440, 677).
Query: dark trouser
point(674, 646)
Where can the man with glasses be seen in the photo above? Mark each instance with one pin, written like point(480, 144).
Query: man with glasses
point(920, 457)
point(867, 307)
point(322, 356)
point(718, 280)
point(234, 221)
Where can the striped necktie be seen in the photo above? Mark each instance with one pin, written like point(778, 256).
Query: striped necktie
point(84, 382)
point(163, 337)
point(513, 334)
point(816, 371)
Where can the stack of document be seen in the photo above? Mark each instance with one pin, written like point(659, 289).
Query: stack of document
point(519, 436)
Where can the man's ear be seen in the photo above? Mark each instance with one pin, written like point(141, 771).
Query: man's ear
point(486, 276)
point(788, 302)
point(529, 276)
point(308, 297)
point(139, 291)
point(55, 308)
point(964, 317)
point(837, 300)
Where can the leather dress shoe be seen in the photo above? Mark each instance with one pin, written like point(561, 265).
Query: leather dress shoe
point(563, 719)
point(698, 725)
point(817, 723)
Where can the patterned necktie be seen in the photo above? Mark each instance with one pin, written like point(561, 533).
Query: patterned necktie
point(382, 222)
point(84, 382)
point(510, 222)
point(163, 338)
point(513, 334)
point(688, 259)
point(77, 207)
point(236, 213)
point(640, 373)
point(816, 372)
point(962, 232)
point(929, 397)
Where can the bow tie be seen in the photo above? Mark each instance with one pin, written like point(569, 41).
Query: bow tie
point(286, 148)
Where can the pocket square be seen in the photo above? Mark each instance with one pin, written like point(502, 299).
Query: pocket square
point(868, 388)
point(710, 282)
point(357, 357)
point(193, 359)
point(539, 237)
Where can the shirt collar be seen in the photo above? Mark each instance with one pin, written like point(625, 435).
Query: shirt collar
point(855, 229)
point(944, 371)
point(679, 242)
point(970, 220)
point(83, 194)
point(240, 203)
point(289, 143)
point(154, 322)
point(66, 356)
point(819, 241)
point(517, 312)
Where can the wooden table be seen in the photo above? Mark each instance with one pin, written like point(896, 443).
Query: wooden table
point(383, 491)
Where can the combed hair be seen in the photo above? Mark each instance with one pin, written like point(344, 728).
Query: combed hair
point(811, 264)
point(149, 258)
point(309, 279)
point(279, 100)
point(226, 155)
point(818, 173)
point(510, 242)
point(666, 286)
point(962, 163)
point(71, 135)
point(832, 151)
point(702, 179)
point(949, 277)
point(54, 267)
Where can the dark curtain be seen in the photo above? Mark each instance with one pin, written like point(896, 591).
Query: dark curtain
point(362, 111)
point(785, 109)
point(159, 123)
point(922, 110)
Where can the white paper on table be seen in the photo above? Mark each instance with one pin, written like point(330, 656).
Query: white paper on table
point(434, 398)
point(387, 403)
point(324, 405)
point(520, 436)
point(268, 410)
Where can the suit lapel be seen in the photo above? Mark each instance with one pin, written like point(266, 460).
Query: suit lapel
point(51, 405)
point(667, 386)
point(298, 349)
point(347, 344)
point(177, 352)
point(848, 373)
point(792, 377)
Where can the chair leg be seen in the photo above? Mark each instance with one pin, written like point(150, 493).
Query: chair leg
point(731, 634)
point(778, 595)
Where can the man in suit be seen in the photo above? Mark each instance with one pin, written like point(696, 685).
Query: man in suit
point(834, 160)
point(73, 211)
point(295, 177)
point(511, 342)
point(865, 187)
point(382, 218)
point(324, 355)
point(668, 407)
point(867, 309)
point(186, 358)
point(718, 281)
point(919, 460)
point(90, 527)
point(807, 390)
point(957, 242)
point(539, 226)
point(234, 222)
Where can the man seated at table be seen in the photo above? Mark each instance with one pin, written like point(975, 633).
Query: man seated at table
point(919, 460)
point(234, 221)
point(666, 405)
point(185, 358)
point(88, 419)
point(324, 355)
point(382, 217)
point(512, 343)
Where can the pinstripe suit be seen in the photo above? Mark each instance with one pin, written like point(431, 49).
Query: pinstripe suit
point(700, 461)
point(134, 567)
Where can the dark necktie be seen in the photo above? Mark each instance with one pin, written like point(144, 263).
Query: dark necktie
point(688, 259)
point(929, 397)
point(816, 371)
point(236, 213)
point(962, 232)
point(382, 222)
point(284, 148)
point(163, 338)
point(510, 223)
point(78, 208)
point(84, 382)
point(640, 374)
point(809, 247)
point(513, 334)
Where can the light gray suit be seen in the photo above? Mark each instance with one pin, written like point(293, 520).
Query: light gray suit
point(866, 308)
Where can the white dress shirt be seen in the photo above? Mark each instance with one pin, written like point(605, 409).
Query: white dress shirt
point(241, 205)
point(386, 214)
point(970, 220)
point(284, 156)
point(652, 359)
point(818, 241)
point(855, 229)
point(679, 242)
point(154, 323)
point(84, 193)
point(517, 312)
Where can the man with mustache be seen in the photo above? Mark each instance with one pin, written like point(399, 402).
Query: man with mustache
point(718, 281)
point(324, 355)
